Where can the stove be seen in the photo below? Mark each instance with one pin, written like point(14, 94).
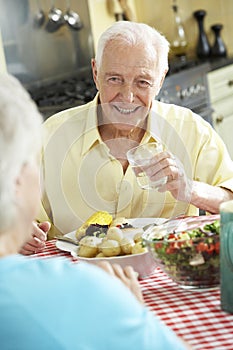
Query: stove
point(187, 86)
point(66, 93)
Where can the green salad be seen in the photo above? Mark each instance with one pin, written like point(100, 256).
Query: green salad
point(190, 257)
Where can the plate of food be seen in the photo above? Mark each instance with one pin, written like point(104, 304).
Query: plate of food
point(117, 241)
point(121, 240)
point(130, 227)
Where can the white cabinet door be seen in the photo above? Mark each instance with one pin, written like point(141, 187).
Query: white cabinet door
point(224, 127)
point(221, 96)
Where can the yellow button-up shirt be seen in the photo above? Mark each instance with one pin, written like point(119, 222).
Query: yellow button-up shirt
point(81, 176)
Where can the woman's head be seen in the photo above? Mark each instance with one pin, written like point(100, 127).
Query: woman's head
point(20, 139)
point(134, 33)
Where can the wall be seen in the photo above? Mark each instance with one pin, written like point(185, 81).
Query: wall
point(101, 18)
point(35, 55)
point(158, 13)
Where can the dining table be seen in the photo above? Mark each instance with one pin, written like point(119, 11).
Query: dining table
point(193, 314)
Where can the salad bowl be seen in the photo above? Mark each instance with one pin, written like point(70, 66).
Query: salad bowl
point(189, 257)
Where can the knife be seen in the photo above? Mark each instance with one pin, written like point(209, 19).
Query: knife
point(66, 239)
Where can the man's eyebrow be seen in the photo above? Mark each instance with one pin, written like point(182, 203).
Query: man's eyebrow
point(112, 73)
point(146, 75)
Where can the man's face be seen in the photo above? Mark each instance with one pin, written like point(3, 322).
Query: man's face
point(127, 82)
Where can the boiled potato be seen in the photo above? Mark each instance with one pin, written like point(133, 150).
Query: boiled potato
point(138, 237)
point(138, 248)
point(100, 255)
point(87, 251)
point(127, 245)
point(88, 246)
point(110, 248)
point(90, 241)
point(115, 233)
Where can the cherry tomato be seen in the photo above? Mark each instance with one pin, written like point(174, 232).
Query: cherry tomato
point(217, 247)
point(202, 247)
point(171, 249)
point(210, 248)
point(158, 245)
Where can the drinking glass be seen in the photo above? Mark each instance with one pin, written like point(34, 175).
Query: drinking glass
point(140, 158)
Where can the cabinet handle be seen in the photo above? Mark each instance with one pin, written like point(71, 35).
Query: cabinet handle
point(230, 83)
point(219, 119)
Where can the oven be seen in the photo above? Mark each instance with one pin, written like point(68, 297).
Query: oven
point(187, 86)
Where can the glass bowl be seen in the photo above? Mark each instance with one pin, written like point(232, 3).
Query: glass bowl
point(189, 258)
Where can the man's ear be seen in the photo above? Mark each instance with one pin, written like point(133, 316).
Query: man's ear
point(162, 79)
point(94, 72)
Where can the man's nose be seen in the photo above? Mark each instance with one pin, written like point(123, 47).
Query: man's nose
point(127, 91)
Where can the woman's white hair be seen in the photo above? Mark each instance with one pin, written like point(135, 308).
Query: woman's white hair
point(20, 141)
point(133, 33)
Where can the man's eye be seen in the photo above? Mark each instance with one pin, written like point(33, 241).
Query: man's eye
point(144, 84)
point(115, 80)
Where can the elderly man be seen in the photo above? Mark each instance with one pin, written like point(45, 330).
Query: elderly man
point(85, 167)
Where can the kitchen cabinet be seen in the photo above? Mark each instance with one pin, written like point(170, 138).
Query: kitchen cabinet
point(221, 95)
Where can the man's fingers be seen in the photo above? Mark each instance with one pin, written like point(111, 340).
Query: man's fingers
point(40, 230)
point(32, 247)
point(44, 226)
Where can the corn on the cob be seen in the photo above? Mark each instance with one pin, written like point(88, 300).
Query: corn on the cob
point(102, 218)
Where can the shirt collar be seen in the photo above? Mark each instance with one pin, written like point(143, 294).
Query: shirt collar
point(150, 134)
point(156, 124)
point(92, 136)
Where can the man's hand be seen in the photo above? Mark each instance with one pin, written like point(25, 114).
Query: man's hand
point(39, 237)
point(127, 275)
point(199, 194)
point(166, 164)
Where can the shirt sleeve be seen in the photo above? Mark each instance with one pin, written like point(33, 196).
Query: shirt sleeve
point(214, 165)
point(132, 326)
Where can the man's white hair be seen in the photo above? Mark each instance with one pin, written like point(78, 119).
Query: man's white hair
point(20, 141)
point(134, 34)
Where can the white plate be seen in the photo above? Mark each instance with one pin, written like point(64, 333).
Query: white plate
point(66, 246)
point(142, 263)
point(136, 223)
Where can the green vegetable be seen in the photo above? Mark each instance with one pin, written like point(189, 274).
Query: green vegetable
point(191, 257)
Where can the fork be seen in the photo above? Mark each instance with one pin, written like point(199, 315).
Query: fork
point(181, 216)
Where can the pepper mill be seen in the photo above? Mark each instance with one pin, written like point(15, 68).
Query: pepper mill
point(203, 46)
point(219, 48)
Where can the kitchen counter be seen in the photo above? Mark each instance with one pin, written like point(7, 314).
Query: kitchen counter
point(177, 64)
point(220, 62)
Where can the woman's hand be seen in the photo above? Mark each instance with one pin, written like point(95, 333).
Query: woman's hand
point(39, 237)
point(127, 275)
